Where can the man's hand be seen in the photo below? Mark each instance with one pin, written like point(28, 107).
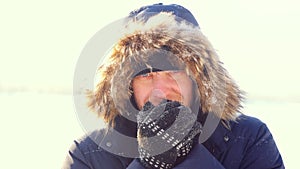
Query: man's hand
point(165, 133)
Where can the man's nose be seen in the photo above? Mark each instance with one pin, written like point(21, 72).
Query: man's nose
point(162, 81)
point(162, 84)
point(157, 96)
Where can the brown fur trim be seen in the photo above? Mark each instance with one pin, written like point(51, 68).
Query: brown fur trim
point(218, 92)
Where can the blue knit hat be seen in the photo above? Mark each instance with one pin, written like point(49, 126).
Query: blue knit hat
point(145, 12)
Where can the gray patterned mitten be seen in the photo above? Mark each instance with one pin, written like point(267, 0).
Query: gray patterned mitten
point(165, 133)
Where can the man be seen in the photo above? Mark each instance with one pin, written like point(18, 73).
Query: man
point(169, 103)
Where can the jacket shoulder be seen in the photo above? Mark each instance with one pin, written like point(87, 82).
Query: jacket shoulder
point(248, 126)
point(260, 150)
point(85, 153)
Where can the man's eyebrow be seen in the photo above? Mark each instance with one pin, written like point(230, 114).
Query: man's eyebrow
point(148, 70)
point(145, 71)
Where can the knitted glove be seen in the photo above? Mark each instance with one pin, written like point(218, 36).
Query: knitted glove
point(165, 133)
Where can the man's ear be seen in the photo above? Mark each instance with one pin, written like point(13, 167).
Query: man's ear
point(132, 99)
point(196, 104)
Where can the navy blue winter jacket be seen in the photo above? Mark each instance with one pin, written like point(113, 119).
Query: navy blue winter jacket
point(248, 144)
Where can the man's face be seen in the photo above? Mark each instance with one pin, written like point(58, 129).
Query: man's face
point(156, 86)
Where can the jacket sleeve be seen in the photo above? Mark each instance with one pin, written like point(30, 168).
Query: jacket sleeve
point(199, 158)
point(262, 152)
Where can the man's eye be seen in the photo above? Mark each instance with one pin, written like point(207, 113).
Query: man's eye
point(175, 71)
point(145, 75)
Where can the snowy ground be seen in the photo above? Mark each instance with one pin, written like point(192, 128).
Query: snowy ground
point(38, 128)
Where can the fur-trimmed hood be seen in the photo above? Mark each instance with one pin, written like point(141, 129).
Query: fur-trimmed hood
point(148, 42)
